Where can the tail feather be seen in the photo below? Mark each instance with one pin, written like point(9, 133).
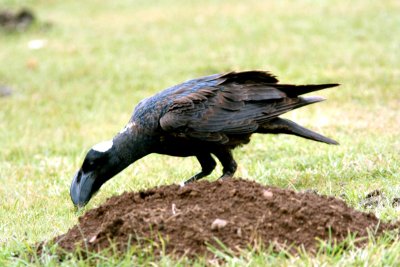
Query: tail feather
point(296, 90)
point(307, 100)
point(279, 125)
point(289, 105)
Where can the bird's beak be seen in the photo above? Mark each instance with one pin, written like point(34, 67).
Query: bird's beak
point(81, 188)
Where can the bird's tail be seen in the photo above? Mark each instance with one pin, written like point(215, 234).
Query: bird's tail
point(296, 90)
point(279, 125)
point(291, 104)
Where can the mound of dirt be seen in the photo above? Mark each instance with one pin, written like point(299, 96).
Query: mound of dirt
point(237, 212)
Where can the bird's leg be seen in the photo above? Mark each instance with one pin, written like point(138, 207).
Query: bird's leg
point(228, 163)
point(207, 166)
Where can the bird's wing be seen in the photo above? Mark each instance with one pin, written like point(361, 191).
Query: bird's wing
point(234, 103)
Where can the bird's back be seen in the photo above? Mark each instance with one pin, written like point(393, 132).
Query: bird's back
point(221, 107)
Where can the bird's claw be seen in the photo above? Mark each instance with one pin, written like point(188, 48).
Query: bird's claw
point(225, 176)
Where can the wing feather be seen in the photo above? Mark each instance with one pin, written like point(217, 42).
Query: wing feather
point(231, 104)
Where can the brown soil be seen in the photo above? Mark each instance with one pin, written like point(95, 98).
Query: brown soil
point(237, 212)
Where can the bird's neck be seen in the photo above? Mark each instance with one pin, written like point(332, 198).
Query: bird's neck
point(131, 145)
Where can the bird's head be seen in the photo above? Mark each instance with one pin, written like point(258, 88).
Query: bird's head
point(101, 163)
point(105, 160)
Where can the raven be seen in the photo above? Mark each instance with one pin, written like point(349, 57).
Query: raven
point(201, 117)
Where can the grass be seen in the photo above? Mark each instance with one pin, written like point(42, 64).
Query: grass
point(101, 59)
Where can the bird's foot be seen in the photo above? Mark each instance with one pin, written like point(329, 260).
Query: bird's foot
point(225, 176)
point(188, 181)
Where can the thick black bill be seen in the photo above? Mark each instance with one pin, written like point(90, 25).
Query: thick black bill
point(81, 188)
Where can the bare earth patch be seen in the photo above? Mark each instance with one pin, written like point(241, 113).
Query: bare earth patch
point(238, 212)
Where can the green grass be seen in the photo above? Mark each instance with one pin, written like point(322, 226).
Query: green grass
point(103, 57)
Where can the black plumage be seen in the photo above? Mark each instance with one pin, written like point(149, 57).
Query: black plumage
point(202, 117)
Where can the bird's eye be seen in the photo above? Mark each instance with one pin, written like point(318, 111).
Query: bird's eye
point(88, 165)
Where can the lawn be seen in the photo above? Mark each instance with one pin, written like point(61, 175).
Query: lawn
point(102, 57)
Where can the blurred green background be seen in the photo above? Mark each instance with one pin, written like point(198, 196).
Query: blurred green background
point(100, 58)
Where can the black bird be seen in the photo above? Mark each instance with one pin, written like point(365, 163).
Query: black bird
point(200, 117)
